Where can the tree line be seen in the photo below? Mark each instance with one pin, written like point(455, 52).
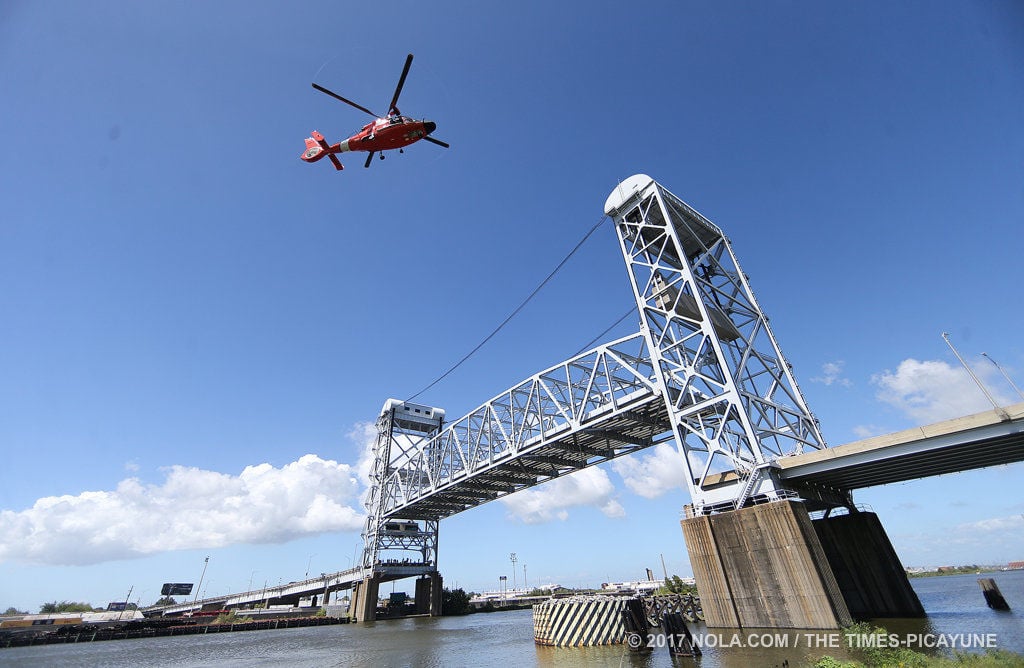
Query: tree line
point(76, 606)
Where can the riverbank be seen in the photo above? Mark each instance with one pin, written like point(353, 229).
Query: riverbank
point(154, 628)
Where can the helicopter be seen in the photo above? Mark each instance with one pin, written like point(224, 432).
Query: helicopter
point(384, 133)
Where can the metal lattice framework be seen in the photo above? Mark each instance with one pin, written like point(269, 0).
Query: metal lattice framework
point(705, 372)
point(735, 405)
point(402, 429)
point(594, 407)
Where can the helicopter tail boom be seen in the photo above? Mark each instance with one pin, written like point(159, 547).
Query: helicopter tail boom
point(317, 147)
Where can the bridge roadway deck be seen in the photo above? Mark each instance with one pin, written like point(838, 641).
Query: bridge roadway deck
point(293, 590)
point(981, 440)
point(975, 441)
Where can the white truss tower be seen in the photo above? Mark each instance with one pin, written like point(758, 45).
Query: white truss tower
point(735, 407)
point(402, 429)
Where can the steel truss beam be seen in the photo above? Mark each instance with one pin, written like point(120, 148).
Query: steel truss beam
point(733, 401)
point(599, 405)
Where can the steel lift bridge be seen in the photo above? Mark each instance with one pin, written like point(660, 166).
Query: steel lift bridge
point(704, 372)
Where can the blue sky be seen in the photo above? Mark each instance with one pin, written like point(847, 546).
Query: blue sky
point(196, 327)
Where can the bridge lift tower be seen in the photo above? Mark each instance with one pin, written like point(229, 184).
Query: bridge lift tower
point(736, 410)
point(706, 373)
point(403, 428)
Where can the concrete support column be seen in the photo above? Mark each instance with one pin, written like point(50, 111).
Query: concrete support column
point(364, 599)
point(763, 567)
point(422, 596)
point(429, 595)
point(436, 582)
point(869, 573)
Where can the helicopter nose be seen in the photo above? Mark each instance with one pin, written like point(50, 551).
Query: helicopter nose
point(429, 126)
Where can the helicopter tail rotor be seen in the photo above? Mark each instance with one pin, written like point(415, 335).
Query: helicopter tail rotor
point(317, 147)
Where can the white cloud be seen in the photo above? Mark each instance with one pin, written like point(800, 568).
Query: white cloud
point(192, 508)
point(832, 374)
point(933, 390)
point(551, 501)
point(651, 475)
point(364, 434)
point(868, 430)
point(994, 526)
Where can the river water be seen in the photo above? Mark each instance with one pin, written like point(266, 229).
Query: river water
point(956, 614)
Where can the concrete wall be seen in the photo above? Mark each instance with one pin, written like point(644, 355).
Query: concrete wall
point(763, 567)
point(364, 600)
point(869, 573)
point(428, 595)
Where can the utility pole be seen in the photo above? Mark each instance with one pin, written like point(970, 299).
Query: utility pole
point(1012, 384)
point(513, 558)
point(196, 597)
point(526, 587)
point(121, 611)
point(1002, 413)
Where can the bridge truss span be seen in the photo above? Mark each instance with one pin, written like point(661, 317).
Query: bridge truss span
point(599, 405)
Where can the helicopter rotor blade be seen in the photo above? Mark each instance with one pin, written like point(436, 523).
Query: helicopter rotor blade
point(369, 159)
point(401, 82)
point(436, 141)
point(346, 101)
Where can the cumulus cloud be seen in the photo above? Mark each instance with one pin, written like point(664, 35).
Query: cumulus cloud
point(932, 390)
point(365, 434)
point(551, 501)
point(651, 475)
point(191, 508)
point(868, 430)
point(832, 374)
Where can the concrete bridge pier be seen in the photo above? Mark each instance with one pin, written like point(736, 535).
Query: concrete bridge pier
point(770, 566)
point(870, 576)
point(364, 599)
point(428, 595)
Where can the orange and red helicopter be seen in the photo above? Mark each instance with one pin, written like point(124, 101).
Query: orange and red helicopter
point(385, 133)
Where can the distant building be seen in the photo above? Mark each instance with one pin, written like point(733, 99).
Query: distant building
point(506, 594)
point(1015, 565)
point(642, 587)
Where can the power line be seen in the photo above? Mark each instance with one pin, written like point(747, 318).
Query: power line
point(514, 313)
point(632, 310)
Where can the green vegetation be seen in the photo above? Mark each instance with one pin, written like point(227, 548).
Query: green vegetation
point(455, 602)
point(675, 585)
point(64, 606)
point(166, 600)
point(15, 611)
point(997, 658)
point(230, 617)
point(902, 657)
point(956, 570)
